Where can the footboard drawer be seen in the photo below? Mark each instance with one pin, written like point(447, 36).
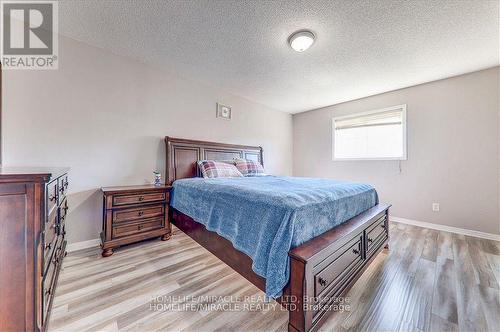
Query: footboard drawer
point(324, 269)
point(375, 235)
point(340, 264)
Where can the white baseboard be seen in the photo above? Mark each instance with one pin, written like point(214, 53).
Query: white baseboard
point(463, 231)
point(83, 245)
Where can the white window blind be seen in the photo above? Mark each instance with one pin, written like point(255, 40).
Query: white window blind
point(371, 135)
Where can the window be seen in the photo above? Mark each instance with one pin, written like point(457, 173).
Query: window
point(374, 135)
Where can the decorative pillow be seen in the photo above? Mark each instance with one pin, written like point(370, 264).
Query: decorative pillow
point(217, 169)
point(249, 167)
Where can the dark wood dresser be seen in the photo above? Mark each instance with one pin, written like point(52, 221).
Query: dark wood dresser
point(33, 209)
point(134, 213)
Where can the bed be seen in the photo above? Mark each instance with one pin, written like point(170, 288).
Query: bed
point(261, 227)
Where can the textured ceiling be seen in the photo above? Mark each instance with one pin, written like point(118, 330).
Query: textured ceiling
point(362, 47)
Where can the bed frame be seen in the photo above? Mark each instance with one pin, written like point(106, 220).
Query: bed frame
point(322, 270)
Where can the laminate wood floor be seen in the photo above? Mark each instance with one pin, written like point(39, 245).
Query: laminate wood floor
point(428, 281)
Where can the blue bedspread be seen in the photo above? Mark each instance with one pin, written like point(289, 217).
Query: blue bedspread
point(265, 217)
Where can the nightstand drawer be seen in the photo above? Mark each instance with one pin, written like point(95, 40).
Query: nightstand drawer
point(145, 225)
point(119, 200)
point(138, 213)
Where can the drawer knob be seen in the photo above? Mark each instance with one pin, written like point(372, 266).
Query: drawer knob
point(140, 213)
point(383, 226)
point(52, 198)
point(141, 198)
point(140, 227)
point(370, 240)
point(355, 251)
point(322, 281)
point(48, 246)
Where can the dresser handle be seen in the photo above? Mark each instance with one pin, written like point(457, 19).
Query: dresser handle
point(48, 246)
point(355, 251)
point(370, 240)
point(140, 227)
point(322, 281)
point(141, 198)
point(52, 198)
point(140, 213)
point(66, 184)
point(383, 226)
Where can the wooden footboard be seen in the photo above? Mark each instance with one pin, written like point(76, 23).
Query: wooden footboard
point(325, 268)
point(322, 270)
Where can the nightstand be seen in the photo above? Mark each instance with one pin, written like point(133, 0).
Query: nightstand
point(134, 213)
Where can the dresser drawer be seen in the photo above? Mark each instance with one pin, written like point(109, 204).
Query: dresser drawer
point(48, 281)
point(48, 250)
point(63, 185)
point(132, 228)
point(138, 213)
point(52, 262)
point(48, 290)
point(346, 259)
point(52, 194)
point(49, 239)
point(63, 213)
point(119, 200)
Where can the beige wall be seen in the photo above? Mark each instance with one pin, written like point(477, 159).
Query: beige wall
point(453, 151)
point(105, 116)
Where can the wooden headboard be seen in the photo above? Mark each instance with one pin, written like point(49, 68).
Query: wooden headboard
point(182, 155)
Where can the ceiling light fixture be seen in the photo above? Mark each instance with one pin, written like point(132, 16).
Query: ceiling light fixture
point(301, 40)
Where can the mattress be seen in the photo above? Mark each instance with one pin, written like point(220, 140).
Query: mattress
point(266, 216)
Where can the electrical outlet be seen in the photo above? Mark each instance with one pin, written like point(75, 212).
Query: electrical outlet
point(435, 207)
